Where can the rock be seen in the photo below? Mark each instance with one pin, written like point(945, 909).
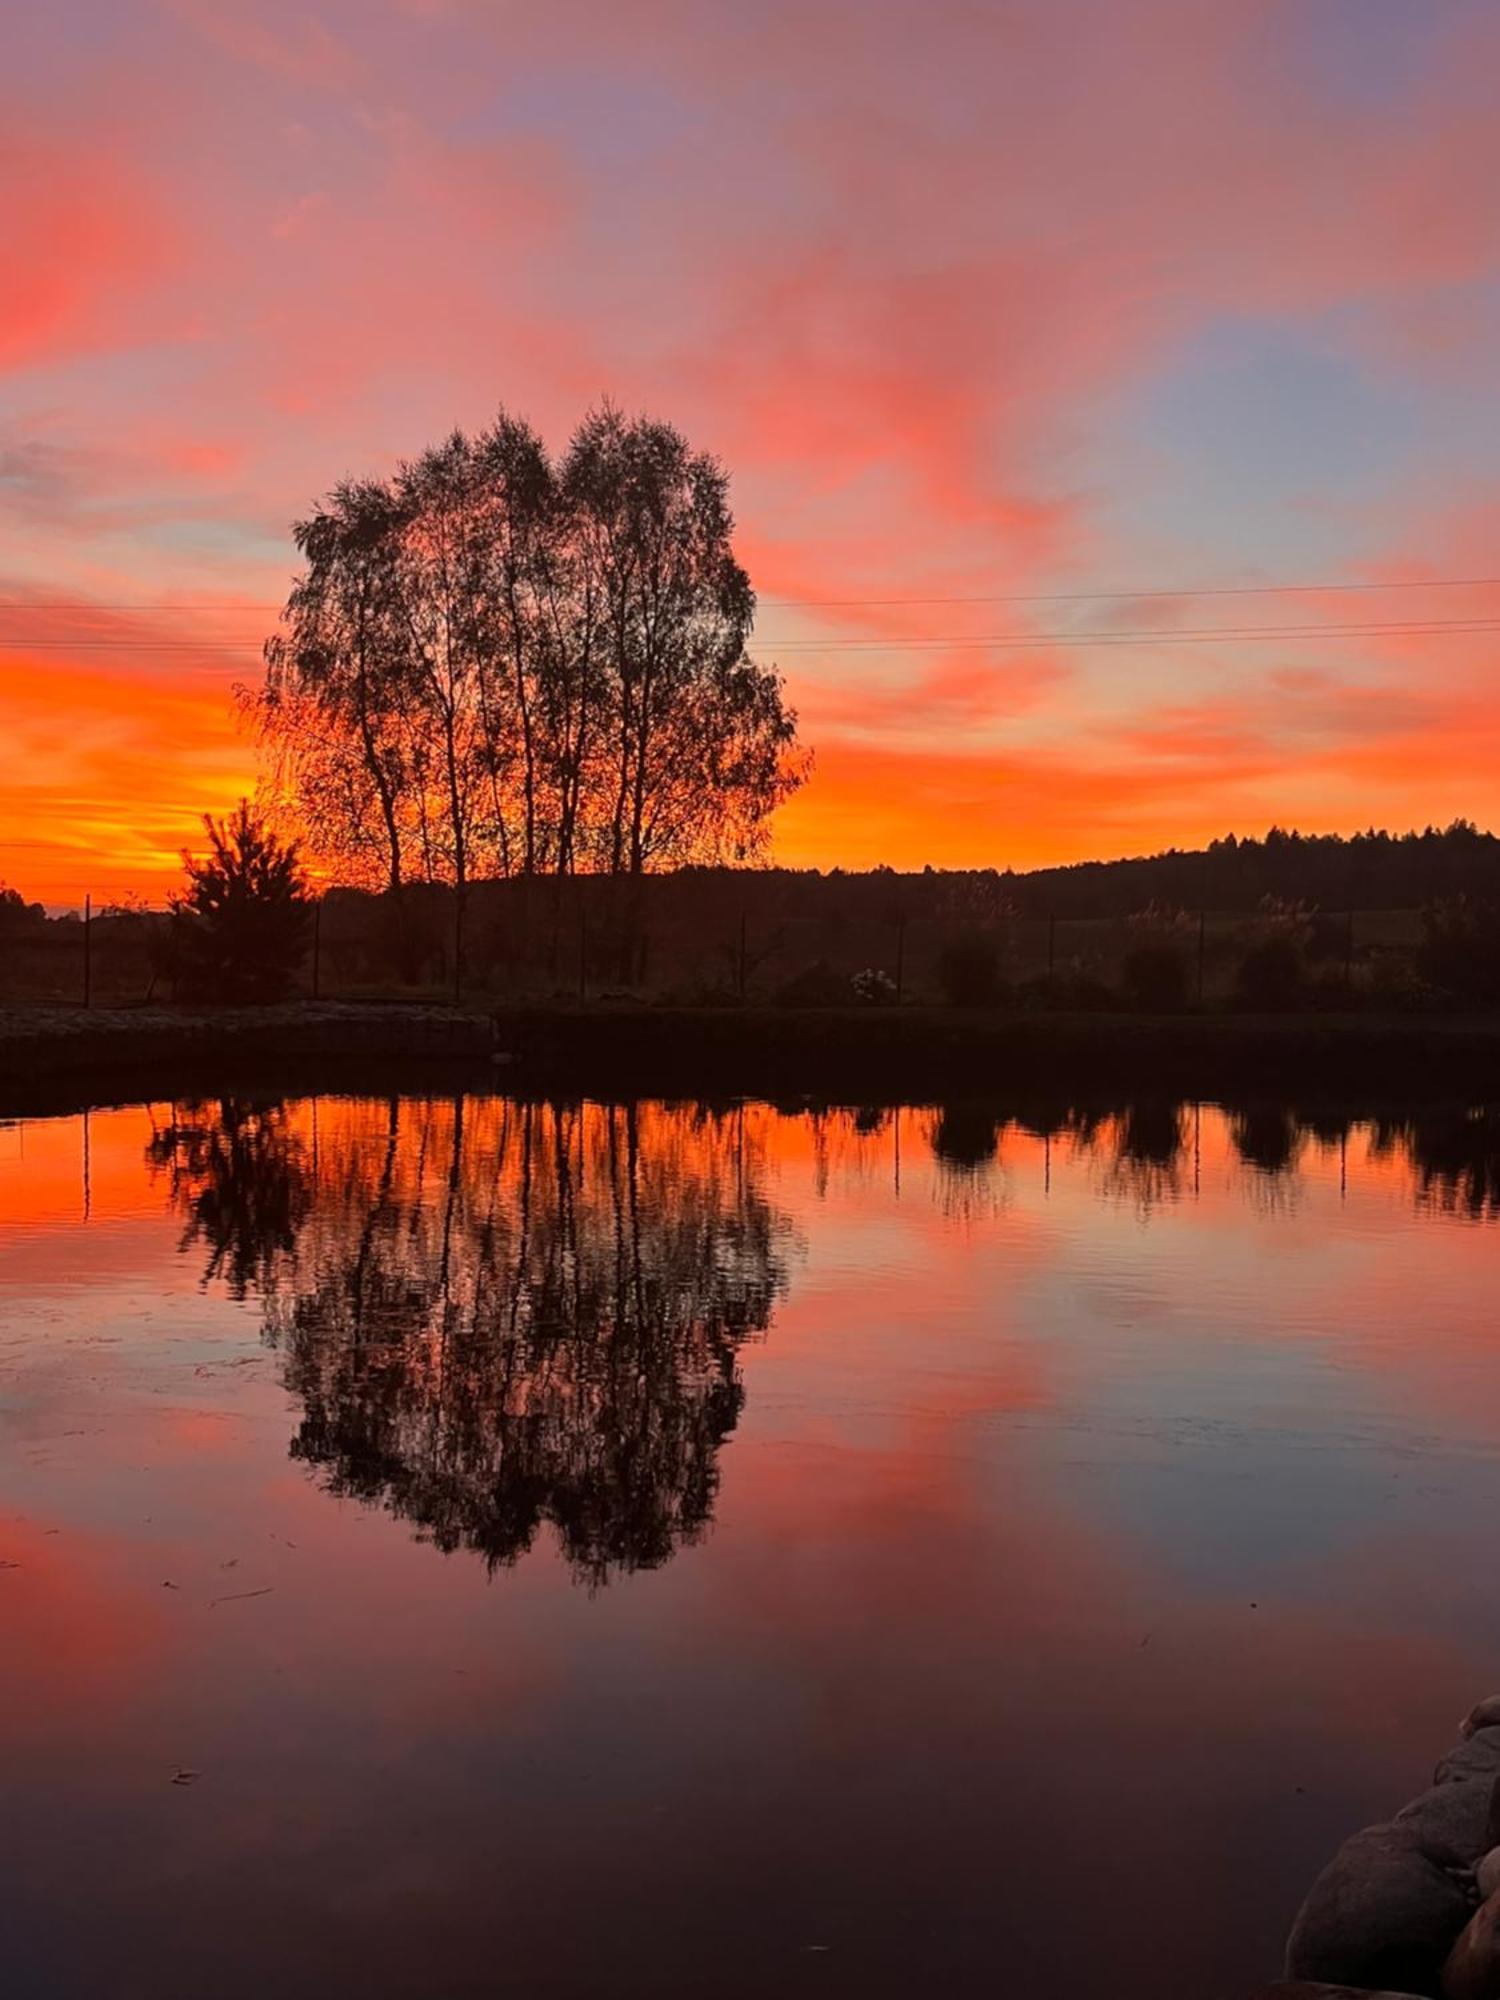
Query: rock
point(1450, 1823)
point(1483, 1715)
point(1487, 1875)
point(1473, 1968)
point(1384, 1914)
point(1478, 1756)
point(1317, 1989)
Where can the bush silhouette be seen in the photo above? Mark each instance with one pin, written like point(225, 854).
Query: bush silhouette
point(1273, 974)
point(239, 928)
point(1156, 977)
point(1460, 949)
point(969, 972)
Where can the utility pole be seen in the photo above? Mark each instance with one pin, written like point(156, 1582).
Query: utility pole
point(88, 951)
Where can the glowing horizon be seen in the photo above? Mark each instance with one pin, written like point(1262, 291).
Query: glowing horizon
point(976, 305)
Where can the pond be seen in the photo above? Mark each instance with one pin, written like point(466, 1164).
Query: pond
point(459, 1546)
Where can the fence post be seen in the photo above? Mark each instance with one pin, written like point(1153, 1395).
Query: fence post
point(458, 944)
point(88, 951)
point(317, 940)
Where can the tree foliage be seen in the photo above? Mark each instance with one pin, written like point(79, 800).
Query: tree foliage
point(1373, 870)
point(17, 916)
point(496, 665)
point(239, 928)
point(1460, 950)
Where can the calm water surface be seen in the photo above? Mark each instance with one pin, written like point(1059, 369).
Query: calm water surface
point(464, 1547)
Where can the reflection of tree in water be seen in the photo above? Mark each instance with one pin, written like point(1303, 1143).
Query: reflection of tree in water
point(1142, 1147)
point(965, 1141)
point(966, 1137)
point(1146, 1164)
point(1268, 1137)
point(241, 1175)
point(1455, 1151)
point(496, 1315)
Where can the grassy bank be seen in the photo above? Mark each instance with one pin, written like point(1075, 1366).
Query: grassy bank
point(56, 1057)
point(883, 1053)
point(63, 1057)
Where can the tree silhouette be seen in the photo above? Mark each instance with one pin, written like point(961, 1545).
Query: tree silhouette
point(1460, 951)
point(240, 926)
point(494, 665)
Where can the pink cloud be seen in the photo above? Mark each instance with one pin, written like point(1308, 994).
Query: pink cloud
point(302, 51)
point(81, 241)
point(890, 261)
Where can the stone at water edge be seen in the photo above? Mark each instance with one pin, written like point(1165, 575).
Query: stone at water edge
point(1483, 1715)
point(1317, 1989)
point(1487, 1875)
point(1449, 1822)
point(1383, 1914)
point(1477, 1756)
point(1473, 1968)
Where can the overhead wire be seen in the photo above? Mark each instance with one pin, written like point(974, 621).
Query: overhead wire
point(998, 641)
point(1153, 591)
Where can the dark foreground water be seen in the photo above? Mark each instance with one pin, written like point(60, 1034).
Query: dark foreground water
point(469, 1548)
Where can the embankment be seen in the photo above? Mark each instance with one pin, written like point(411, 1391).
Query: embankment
point(61, 1058)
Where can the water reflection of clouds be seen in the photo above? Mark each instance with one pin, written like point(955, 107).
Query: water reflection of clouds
point(990, 1504)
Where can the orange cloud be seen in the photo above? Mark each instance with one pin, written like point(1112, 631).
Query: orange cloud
point(903, 266)
point(111, 772)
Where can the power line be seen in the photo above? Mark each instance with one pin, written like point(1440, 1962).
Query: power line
point(1155, 635)
point(1151, 635)
point(1112, 596)
point(855, 603)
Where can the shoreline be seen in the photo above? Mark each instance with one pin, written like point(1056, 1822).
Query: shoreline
point(69, 1056)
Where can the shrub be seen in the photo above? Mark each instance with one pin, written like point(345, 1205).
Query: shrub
point(1156, 977)
point(816, 985)
point(1273, 974)
point(969, 972)
point(240, 927)
point(1460, 949)
point(873, 987)
point(17, 916)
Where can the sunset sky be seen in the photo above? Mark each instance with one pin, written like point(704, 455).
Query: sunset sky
point(980, 303)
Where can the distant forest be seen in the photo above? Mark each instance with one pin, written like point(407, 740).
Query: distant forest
point(1370, 871)
point(1290, 920)
point(1332, 873)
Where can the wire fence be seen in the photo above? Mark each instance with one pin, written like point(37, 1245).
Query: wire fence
point(723, 940)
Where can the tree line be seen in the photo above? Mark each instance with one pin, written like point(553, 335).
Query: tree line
point(497, 664)
point(1372, 870)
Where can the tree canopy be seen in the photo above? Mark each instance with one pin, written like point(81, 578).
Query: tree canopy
point(494, 664)
point(240, 925)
